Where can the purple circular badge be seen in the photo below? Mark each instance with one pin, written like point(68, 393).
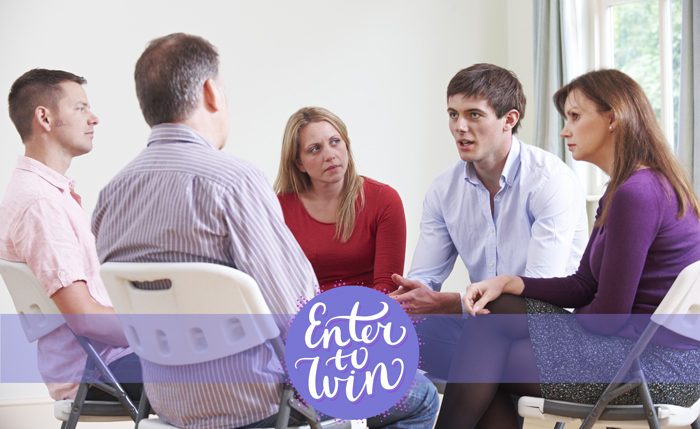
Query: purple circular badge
point(352, 352)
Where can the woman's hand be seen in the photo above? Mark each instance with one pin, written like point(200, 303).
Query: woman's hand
point(481, 293)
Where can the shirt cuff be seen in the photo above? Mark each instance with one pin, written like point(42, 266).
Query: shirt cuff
point(461, 302)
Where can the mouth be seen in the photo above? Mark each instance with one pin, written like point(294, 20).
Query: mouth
point(570, 146)
point(465, 144)
point(333, 168)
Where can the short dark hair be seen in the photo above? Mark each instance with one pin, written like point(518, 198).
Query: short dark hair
point(500, 87)
point(169, 76)
point(37, 87)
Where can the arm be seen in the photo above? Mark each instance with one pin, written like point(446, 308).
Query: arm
point(435, 254)
point(557, 210)
point(634, 219)
point(263, 247)
point(390, 249)
point(46, 240)
point(86, 317)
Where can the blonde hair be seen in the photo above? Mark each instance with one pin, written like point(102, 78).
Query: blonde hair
point(638, 139)
point(291, 179)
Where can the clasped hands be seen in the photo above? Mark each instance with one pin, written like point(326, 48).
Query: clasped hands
point(417, 298)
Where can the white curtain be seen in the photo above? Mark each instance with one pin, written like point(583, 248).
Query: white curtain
point(689, 121)
point(556, 63)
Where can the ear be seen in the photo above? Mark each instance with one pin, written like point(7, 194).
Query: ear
point(300, 166)
point(213, 96)
point(511, 120)
point(613, 123)
point(43, 118)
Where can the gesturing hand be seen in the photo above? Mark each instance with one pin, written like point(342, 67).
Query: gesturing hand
point(417, 298)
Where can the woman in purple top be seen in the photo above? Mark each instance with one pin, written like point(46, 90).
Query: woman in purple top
point(646, 231)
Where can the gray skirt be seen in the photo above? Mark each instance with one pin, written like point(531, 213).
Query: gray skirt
point(564, 350)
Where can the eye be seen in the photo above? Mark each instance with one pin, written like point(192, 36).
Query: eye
point(313, 149)
point(574, 116)
point(475, 115)
point(335, 141)
point(453, 115)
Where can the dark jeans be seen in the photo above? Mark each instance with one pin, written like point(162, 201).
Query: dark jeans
point(127, 368)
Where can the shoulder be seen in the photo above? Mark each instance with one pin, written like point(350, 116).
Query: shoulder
point(540, 169)
point(643, 188)
point(288, 200)
point(377, 193)
point(540, 163)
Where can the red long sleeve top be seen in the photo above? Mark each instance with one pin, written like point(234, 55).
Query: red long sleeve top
point(376, 249)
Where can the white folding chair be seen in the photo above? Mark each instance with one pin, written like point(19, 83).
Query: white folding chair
point(680, 312)
point(39, 316)
point(220, 292)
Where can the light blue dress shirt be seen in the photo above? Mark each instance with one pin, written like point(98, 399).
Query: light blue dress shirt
point(539, 226)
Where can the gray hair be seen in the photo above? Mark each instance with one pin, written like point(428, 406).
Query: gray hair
point(169, 76)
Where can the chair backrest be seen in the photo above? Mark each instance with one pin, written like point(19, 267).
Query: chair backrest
point(680, 309)
point(38, 313)
point(209, 311)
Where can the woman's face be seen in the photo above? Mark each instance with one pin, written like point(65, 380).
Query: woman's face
point(587, 132)
point(322, 154)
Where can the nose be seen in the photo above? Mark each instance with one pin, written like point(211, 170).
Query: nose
point(328, 155)
point(565, 133)
point(461, 125)
point(94, 120)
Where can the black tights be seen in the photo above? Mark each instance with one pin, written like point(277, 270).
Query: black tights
point(494, 358)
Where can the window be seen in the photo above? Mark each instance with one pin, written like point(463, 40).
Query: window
point(643, 39)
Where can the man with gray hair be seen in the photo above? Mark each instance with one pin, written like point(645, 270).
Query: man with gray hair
point(183, 200)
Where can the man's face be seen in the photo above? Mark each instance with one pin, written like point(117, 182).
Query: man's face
point(73, 128)
point(479, 134)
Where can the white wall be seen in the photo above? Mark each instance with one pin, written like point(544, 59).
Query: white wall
point(381, 65)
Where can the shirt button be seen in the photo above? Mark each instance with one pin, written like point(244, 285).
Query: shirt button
point(510, 181)
point(491, 230)
point(490, 264)
point(498, 197)
point(61, 273)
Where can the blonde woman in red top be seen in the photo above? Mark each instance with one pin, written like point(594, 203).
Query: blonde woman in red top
point(352, 228)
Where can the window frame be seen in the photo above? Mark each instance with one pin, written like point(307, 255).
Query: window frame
point(604, 54)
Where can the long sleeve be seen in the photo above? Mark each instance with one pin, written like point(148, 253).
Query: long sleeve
point(390, 248)
point(435, 252)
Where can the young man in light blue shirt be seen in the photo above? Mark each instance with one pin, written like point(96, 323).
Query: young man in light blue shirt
point(505, 208)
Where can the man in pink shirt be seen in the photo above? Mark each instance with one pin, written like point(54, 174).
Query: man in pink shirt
point(44, 225)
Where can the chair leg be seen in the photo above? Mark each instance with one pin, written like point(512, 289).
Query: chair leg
point(77, 407)
point(647, 402)
point(559, 425)
point(696, 424)
point(144, 408)
point(285, 409)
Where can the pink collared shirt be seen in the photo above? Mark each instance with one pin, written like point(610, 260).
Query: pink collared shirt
point(44, 225)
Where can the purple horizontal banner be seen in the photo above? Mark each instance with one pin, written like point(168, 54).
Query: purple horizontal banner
point(478, 355)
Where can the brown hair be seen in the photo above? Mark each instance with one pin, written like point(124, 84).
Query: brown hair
point(500, 87)
point(291, 179)
point(169, 76)
point(37, 87)
point(638, 139)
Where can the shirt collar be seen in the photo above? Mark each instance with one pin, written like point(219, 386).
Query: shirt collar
point(53, 177)
point(510, 169)
point(176, 133)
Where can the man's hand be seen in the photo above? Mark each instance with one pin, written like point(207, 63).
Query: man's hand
point(417, 298)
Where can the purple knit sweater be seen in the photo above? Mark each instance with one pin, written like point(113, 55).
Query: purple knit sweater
point(630, 262)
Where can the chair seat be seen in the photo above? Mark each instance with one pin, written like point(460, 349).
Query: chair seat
point(93, 411)
point(621, 416)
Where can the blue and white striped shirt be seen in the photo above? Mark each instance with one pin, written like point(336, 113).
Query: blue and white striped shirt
point(182, 200)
